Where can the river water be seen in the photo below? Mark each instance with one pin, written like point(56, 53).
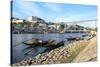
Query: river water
point(19, 50)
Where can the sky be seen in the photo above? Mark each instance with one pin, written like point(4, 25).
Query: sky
point(54, 12)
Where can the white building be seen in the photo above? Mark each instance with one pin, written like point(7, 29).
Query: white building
point(35, 19)
point(15, 20)
point(43, 25)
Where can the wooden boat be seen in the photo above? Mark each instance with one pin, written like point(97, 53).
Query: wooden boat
point(73, 38)
point(34, 42)
point(53, 44)
point(50, 44)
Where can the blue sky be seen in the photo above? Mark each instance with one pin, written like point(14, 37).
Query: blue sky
point(56, 12)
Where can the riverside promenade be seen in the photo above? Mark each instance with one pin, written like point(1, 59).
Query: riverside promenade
point(76, 51)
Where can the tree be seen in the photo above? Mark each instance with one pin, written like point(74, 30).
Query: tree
point(36, 25)
point(62, 25)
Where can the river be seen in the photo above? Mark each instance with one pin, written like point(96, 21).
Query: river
point(19, 49)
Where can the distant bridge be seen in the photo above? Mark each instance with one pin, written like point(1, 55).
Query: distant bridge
point(81, 21)
point(76, 31)
point(76, 22)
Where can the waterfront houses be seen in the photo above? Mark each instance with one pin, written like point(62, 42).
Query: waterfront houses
point(33, 24)
point(17, 20)
point(37, 25)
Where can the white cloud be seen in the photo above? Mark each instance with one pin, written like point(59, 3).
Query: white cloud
point(78, 17)
point(75, 17)
point(52, 6)
point(28, 8)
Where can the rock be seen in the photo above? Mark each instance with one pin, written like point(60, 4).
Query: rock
point(44, 62)
point(38, 56)
point(59, 58)
point(68, 55)
point(13, 64)
point(18, 64)
point(54, 57)
point(33, 61)
point(27, 65)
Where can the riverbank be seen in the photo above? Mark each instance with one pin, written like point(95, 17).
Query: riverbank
point(89, 53)
point(63, 54)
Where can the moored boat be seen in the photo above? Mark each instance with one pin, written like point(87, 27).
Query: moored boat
point(34, 42)
point(48, 44)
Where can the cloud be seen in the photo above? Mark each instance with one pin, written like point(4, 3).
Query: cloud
point(78, 17)
point(75, 17)
point(27, 8)
point(52, 6)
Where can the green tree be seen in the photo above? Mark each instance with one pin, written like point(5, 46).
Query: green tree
point(62, 25)
point(36, 25)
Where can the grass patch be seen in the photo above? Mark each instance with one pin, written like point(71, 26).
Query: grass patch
point(74, 49)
